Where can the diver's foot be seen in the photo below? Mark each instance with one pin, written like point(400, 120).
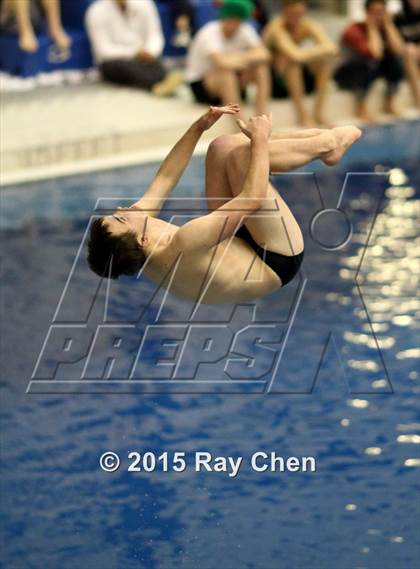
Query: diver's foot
point(345, 136)
point(28, 41)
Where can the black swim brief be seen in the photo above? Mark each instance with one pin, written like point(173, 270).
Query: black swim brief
point(284, 266)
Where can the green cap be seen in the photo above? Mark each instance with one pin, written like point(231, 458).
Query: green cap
point(239, 9)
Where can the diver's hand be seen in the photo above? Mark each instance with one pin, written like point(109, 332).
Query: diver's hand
point(214, 114)
point(257, 126)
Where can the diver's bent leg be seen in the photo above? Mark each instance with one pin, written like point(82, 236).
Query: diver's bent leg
point(302, 133)
point(218, 190)
point(289, 153)
point(328, 146)
point(274, 225)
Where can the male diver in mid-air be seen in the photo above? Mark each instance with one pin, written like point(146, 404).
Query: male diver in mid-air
point(249, 244)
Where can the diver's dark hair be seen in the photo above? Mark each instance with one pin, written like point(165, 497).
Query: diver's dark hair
point(113, 255)
point(369, 2)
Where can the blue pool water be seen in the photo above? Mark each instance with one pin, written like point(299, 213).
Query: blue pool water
point(335, 378)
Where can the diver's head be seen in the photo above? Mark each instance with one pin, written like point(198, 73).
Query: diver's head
point(117, 244)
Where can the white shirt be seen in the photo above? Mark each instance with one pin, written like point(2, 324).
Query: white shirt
point(118, 34)
point(211, 39)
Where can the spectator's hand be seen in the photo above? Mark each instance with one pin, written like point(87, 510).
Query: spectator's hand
point(388, 19)
point(257, 55)
point(388, 22)
point(214, 114)
point(372, 21)
point(376, 43)
point(144, 55)
point(257, 126)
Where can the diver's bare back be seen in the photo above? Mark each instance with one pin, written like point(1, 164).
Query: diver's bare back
point(228, 272)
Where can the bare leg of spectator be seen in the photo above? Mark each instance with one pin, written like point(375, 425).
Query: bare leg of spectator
point(260, 75)
point(390, 107)
point(412, 71)
point(361, 109)
point(296, 86)
point(58, 35)
point(224, 83)
point(22, 13)
point(392, 70)
point(322, 72)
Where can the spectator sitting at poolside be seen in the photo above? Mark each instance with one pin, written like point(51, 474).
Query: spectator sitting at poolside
point(408, 24)
point(374, 49)
point(298, 69)
point(227, 55)
point(25, 16)
point(182, 13)
point(127, 41)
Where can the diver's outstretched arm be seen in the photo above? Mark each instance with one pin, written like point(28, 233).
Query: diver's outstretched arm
point(178, 159)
